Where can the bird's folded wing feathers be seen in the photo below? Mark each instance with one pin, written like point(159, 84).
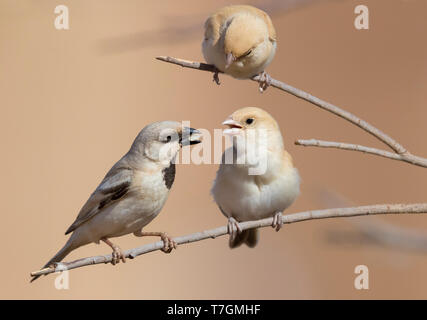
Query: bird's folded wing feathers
point(263, 15)
point(114, 186)
point(216, 20)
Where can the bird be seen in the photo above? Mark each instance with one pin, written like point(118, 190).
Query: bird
point(245, 194)
point(133, 191)
point(240, 40)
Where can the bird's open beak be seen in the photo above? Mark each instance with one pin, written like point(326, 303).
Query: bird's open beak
point(229, 59)
point(234, 127)
point(190, 136)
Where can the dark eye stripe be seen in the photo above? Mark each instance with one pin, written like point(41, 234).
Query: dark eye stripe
point(247, 53)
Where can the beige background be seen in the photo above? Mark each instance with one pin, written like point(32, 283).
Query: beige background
point(73, 101)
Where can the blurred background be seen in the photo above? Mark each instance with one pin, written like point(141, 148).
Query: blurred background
point(72, 101)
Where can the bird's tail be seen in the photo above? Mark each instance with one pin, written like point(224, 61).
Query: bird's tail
point(248, 237)
point(66, 249)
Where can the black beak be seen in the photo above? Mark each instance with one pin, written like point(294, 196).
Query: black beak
point(190, 136)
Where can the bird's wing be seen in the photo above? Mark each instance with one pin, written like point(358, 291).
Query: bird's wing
point(115, 185)
point(271, 30)
point(213, 26)
point(215, 21)
point(267, 20)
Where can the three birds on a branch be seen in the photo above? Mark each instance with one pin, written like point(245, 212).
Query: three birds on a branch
point(239, 41)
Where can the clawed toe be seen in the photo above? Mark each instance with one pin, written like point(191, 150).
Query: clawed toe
point(169, 243)
point(277, 221)
point(216, 78)
point(233, 228)
point(117, 255)
point(264, 82)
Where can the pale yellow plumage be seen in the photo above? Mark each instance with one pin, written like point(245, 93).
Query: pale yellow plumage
point(243, 195)
point(239, 40)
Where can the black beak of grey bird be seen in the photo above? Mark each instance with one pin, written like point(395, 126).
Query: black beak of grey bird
point(190, 136)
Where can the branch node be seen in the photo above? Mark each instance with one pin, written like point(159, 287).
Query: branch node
point(400, 153)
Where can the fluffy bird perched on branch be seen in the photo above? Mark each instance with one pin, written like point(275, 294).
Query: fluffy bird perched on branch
point(240, 41)
point(256, 178)
point(133, 192)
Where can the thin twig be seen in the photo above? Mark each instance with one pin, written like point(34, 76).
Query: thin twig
point(221, 231)
point(355, 147)
point(400, 152)
point(348, 146)
point(406, 157)
point(303, 95)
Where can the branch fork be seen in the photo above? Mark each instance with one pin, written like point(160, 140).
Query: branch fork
point(398, 153)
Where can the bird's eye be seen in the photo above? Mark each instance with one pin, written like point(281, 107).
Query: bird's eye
point(247, 53)
point(249, 120)
point(168, 139)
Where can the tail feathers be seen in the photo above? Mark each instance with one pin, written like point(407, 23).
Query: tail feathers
point(252, 239)
point(58, 257)
point(248, 237)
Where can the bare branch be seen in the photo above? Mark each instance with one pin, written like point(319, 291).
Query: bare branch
point(189, 64)
point(400, 153)
point(302, 95)
point(407, 157)
point(221, 231)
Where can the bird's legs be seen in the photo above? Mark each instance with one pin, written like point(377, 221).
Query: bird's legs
point(277, 221)
point(216, 77)
point(233, 228)
point(168, 243)
point(117, 252)
point(264, 81)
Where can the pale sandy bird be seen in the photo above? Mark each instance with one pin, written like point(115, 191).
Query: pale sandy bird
point(259, 180)
point(240, 41)
point(133, 192)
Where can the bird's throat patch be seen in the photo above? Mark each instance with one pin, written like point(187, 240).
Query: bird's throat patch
point(169, 175)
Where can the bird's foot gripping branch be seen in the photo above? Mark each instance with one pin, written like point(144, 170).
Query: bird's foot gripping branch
point(221, 231)
point(117, 187)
